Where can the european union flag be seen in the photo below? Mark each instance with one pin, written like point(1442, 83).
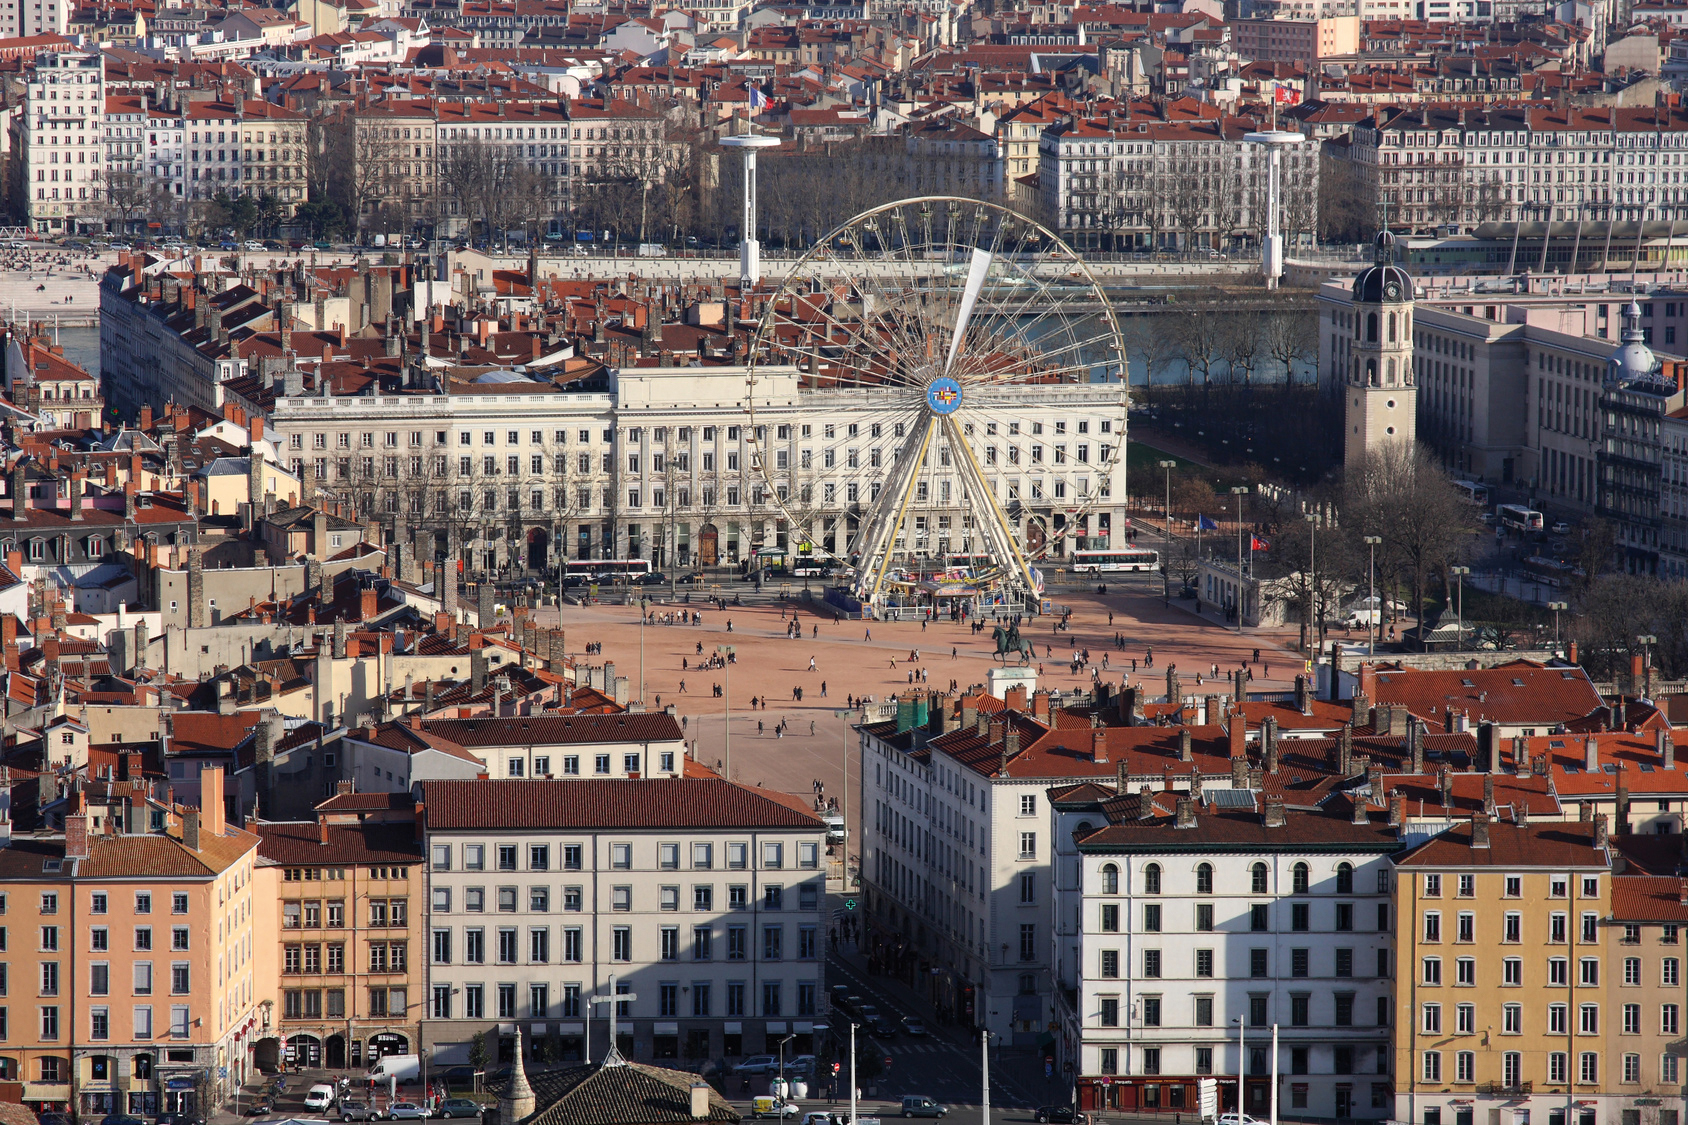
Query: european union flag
point(1205, 524)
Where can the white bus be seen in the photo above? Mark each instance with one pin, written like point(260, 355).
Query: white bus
point(1473, 493)
point(1102, 562)
point(581, 571)
point(1518, 517)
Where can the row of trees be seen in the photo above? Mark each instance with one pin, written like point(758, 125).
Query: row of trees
point(133, 197)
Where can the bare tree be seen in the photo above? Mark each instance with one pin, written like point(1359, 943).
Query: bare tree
point(1401, 495)
point(127, 194)
point(1240, 343)
point(1290, 337)
point(1147, 340)
point(1347, 204)
point(1188, 197)
point(1200, 336)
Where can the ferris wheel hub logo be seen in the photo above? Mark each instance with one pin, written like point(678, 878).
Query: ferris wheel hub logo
point(943, 395)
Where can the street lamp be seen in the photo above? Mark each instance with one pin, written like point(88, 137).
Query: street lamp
point(1459, 573)
point(1312, 594)
point(726, 652)
point(1166, 537)
point(1239, 491)
point(1556, 607)
point(644, 608)
point(1371, 592)
point(845, 714)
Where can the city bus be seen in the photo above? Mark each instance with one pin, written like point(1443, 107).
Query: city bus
point(1518, 517)
point(970, 562)
point(1473, 493)
point(579, 572)
point(1126, 558)
point(1550, 572)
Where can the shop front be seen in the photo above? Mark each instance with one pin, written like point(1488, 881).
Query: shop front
point(1155, 1093)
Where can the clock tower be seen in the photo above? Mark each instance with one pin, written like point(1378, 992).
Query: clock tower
point(1380, 403)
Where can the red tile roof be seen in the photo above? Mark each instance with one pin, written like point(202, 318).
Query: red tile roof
point(305, 842)
point(1649, 898)
point(600, 803)
point(1552, 844)
point(1520, 692)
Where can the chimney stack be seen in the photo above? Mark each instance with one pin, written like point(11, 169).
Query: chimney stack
point(1186, 815)
point(1480, 831)
point(1591, 753)
point(1184, 753)
point(1274, 812)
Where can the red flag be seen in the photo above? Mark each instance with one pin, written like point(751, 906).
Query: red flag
point(1255, 543)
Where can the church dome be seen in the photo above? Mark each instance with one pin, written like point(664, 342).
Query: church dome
point(1383, 282)
point(1632, 359)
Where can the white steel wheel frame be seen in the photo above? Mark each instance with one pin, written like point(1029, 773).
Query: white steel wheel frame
point(937, 377)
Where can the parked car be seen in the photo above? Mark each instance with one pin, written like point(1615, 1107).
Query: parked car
point(757, 1064)
point(919, 1105)
point(1560, 527)
point(869, 1013)
point(358, 1111)
point(1060, 1115)
point(120, 1119)
point(405, 1111)
point(455, 1075)
point(458, 1107)
point(252, 244)
point(179, 1119)
point(884, 1028)
point(261, 1107)
point(801, 1066)
point(320, 1096)
point(1238, 1119)
point(914, 1026)
point(228, 244)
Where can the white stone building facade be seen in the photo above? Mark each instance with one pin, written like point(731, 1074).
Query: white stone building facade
point(701, 898)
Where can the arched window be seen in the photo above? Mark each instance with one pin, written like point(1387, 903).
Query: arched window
point(1151, 879)
point(1406, 325)
point(1371, 327)
point(1390, 373)
point(1391, 328)
point(1300, 875)
point(1371, 372)
point(1259, 885)
point(1345, 878)
point(1110, 880)
point(1204, 878)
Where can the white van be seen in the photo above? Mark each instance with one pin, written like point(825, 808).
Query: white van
point(321, 1096)
point(402, 1067)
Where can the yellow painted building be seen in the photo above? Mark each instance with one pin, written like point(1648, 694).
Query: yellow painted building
point(343, 917)
point(1501, 1005)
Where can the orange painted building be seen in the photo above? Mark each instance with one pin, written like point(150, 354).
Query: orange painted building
point(126, 969)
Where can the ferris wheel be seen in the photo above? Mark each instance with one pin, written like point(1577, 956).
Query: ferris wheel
point(939, 385)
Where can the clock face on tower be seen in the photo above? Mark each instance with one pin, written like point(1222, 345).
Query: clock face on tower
point(1393, 289)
